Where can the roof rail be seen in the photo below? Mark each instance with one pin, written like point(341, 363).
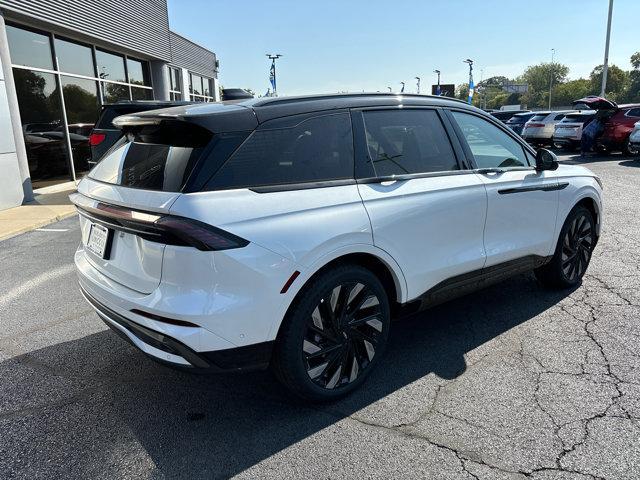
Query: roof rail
point(307, 98)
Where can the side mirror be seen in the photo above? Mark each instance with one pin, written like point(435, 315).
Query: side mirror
point(546, 160)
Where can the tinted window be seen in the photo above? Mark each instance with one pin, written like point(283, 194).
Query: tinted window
point(634, 112)
point(559, 117)
point(401, 142)
point(490, 146)
point(29, 48)
point(317, 149)
point(110, 67)
point(146, 165)
point(74, 58)
point(539, 118)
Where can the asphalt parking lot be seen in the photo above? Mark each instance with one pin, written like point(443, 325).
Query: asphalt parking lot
point(513, 382)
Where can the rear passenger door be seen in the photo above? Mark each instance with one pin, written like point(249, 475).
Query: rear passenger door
point(522, 202)
point(426, 209)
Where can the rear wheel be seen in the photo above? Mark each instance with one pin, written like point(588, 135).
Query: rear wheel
point(573, 251)
point(334, 334)
point(629, 149)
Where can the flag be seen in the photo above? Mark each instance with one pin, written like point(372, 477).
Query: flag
point(471, 87)
point(402, 89)
point(272, 75)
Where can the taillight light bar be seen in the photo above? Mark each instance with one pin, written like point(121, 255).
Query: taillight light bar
point(169, 229)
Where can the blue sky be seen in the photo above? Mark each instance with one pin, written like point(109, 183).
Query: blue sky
point(331, 45)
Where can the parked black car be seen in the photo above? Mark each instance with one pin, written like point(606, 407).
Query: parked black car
point(505, 115)
point(104, 134)
point(516, 123)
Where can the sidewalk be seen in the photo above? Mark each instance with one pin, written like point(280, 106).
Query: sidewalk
point(50, 204)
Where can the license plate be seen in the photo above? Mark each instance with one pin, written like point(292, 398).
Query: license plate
point(98, 240)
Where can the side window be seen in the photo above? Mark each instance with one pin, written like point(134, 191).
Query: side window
point(317, 149)
point(490, 146)
point(401, 142)
point(559, 116)
point(634, 112)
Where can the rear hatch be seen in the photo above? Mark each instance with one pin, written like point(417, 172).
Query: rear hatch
point(125, 200)
point(594, 103)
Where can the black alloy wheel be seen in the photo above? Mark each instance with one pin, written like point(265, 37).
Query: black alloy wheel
point(334, 334)
point(577, 245)
point(342, 335)
point(577, 239)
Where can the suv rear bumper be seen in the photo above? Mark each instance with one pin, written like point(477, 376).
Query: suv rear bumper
point(168, 350)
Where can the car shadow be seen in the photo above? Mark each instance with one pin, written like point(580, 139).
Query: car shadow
point(201, 426)
point(624, 160)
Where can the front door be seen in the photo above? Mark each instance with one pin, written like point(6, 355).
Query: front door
point(522, 203)
point(426, 210)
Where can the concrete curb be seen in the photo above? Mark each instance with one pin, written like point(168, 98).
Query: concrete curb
point(36, 225)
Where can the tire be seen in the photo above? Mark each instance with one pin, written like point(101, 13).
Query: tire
point(629, 150)
point(573, 251)
point(352, 334)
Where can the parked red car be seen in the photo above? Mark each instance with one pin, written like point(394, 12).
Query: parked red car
point(618, 123)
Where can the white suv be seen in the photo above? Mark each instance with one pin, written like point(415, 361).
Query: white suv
point(540, 128)
point(287, 232)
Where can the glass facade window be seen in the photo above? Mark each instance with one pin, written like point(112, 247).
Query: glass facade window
point(74, 58)
point(29, 49)
point(201, 88)
point(175, 84)
point(77, 82)
point(139, 93)
point(42, 126)
point(110, 66)
point(82, 109)
point(138, 72)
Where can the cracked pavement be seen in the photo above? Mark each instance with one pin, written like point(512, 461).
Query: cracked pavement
point(514, 382)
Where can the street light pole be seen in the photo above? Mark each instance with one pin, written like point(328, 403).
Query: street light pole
point(390, 89)
point(418, 79)
point(553, 52)
point(272, 72)
point(402, 89)
point(438, 84)
point(605, 68)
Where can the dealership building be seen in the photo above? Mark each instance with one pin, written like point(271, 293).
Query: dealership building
point(61, 60)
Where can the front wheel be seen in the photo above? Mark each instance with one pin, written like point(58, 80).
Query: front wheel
point(573, 251)
point(334, 334)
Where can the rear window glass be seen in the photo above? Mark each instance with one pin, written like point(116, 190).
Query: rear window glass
point(147, 166)
point(577, 117)
point(316, 149)
point(634, 112)
point(539, 118)
point(559, 116)
point(519, 118)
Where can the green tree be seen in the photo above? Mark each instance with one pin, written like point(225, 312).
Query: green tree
point(565, 93)
point(537, 77)
point(632, 93)
point(617, 81)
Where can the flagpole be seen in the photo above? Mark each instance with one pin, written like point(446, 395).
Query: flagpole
point(470, 63)
point(272, 73)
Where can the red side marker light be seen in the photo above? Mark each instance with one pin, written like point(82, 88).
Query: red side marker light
point(292, 279)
